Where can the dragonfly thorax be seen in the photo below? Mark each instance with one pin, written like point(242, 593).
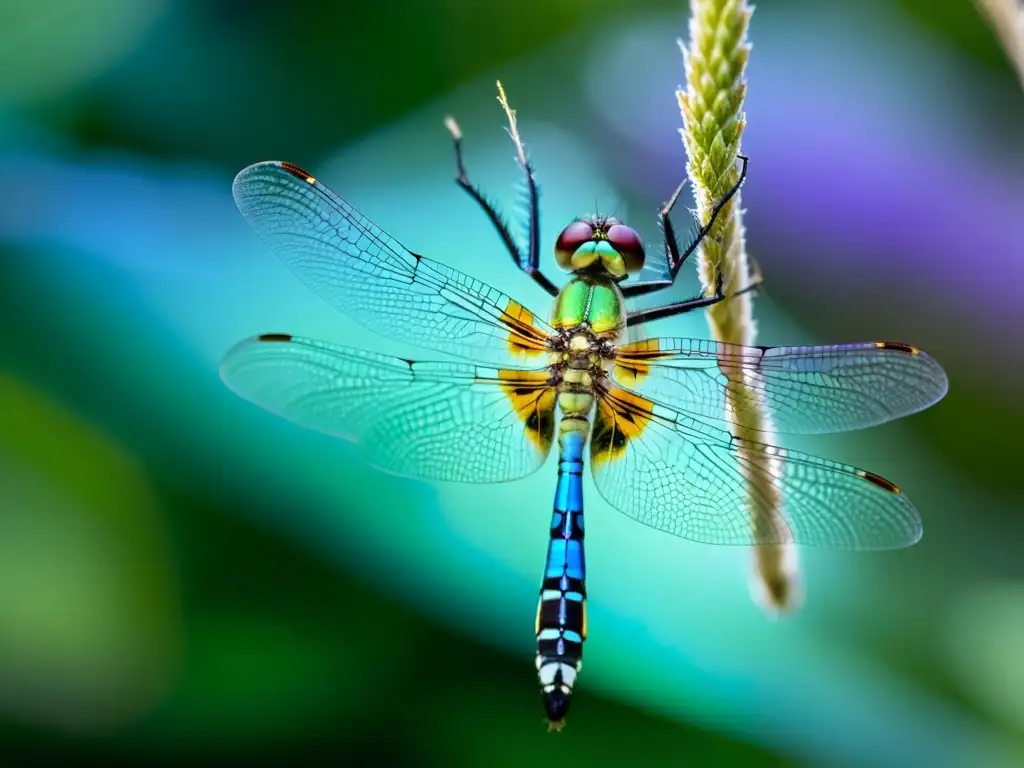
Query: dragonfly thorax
point(592, 301)
point(579, 350)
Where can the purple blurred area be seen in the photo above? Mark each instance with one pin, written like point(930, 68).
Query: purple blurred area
point(886, 185)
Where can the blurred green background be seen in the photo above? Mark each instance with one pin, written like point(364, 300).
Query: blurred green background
point(184, 577)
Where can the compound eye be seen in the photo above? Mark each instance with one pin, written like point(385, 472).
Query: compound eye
point(627, 242)
point(572, 237)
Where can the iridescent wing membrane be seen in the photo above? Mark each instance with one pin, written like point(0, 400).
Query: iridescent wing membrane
point(365, 273)
point(431, 420)
point(807, 390)
point(676, 470)
point(672, 472)
point(438, 421)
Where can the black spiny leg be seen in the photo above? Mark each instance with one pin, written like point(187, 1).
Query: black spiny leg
point(673, 254)
point(697, 302)
point(532, 264)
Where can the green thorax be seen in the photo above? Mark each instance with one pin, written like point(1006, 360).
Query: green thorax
point(594, 299)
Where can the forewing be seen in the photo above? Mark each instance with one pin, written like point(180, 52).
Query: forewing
point(365, 273)
point(430, 420)
point(687, 478)
point(806, 390)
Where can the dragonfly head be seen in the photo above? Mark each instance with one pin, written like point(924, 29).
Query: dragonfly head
point(600, 243)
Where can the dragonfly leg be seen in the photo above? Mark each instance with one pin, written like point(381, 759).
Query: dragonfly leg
point(676, 257)
point(754, 275)
point(697, 302)
point(532, 264)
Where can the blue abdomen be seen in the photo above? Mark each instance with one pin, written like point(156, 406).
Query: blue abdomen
point(561, 614)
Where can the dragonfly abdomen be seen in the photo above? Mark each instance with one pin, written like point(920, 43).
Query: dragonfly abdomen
point(561, 613)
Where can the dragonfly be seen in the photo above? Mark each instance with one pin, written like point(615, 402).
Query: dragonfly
point(656, 412)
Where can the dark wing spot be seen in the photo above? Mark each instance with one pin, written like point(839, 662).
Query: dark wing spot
point(294, 170)
point(881, 482)
point(898, 346)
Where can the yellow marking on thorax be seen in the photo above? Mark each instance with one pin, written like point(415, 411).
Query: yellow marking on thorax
point(579, 343)
point(577, 376)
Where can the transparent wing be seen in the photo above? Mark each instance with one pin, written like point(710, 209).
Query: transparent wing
point(668, 471)
point(430, 420)
point(807, 390)
point(369, 276)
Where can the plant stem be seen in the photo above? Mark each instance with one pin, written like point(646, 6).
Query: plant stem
point(1007, 18)
point(713, 123)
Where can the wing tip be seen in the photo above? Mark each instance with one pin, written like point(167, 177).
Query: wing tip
point(252, 168)
point(243, 176)
point(284, 165)
point(913, 535)
point(881, 482)
point(916, 535)
point(913, 525)
point(231, 356)
point(939, 376)
point(263, 338)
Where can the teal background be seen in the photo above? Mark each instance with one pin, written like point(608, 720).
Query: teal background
point(184, 577)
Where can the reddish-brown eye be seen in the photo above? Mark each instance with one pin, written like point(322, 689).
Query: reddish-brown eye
point(572, 237)
point(628, 243)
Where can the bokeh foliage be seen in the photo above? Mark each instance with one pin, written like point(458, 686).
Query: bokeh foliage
point(183, 577)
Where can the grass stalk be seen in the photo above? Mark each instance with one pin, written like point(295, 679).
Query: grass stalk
point(713, 122)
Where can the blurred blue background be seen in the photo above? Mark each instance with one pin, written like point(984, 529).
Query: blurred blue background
point(183, 576)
